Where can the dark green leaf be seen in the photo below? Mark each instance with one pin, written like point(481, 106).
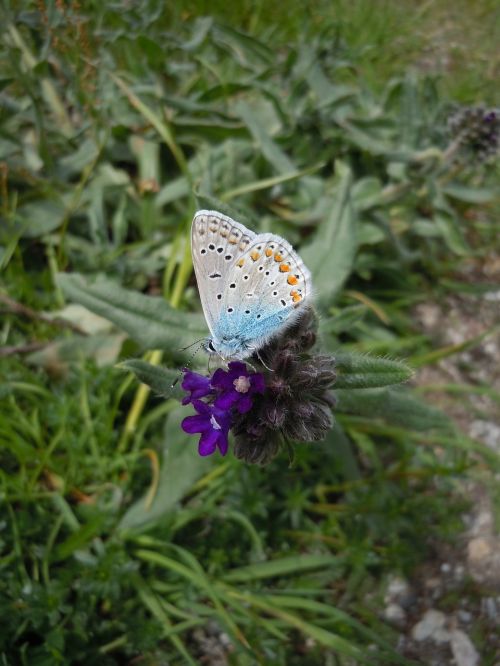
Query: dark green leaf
point(330, 256)
point(159, 378)
point(396, 407)
point(474, 195)
point(149, 320)
point(359, 371)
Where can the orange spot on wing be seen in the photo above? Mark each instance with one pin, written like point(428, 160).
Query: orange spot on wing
point(296, 297)
point(240, 262)
point(284, 268)
point(291, 279)
point(255, 255)
point(268, 252)
point(233, 241)
point(278, 257)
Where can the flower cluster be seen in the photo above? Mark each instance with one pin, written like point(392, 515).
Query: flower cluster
point(476, 130)
point(297, 404)
point(227, 393)
point(288, 399)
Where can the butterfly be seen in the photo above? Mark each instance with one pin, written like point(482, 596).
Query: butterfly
point(251, 286)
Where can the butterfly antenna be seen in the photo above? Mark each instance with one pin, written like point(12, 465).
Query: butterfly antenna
point(190, 359)
point(192, 345)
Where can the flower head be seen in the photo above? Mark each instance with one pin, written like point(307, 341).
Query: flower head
point(288, 399)
point(297, 402)
point(476, 131)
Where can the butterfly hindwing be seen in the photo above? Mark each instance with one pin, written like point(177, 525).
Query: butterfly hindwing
point(264, 289)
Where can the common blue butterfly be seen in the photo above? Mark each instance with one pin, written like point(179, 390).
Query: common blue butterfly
point(251, 286)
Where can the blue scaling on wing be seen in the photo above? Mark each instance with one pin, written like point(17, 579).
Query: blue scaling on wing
point(240, 332)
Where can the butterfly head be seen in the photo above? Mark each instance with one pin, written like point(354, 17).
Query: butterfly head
point(228, 348)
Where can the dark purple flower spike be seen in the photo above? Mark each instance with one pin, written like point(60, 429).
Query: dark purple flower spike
point(289, 400)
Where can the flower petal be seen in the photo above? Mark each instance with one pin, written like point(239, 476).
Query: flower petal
point(226, 400)
point(202, 408)
point(196, 423)
point(221, 380)
point(208, 442)
point(222, 442)
point(198, 385)
point(258, 383)
point(244, 404)
point(237, 369)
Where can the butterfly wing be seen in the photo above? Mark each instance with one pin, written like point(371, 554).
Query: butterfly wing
point(217, 242)
point(251, 286)
point(265, 290)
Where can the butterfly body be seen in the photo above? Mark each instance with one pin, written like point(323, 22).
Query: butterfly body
point(251, 285)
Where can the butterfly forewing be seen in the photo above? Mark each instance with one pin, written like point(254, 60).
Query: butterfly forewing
point(216, 243)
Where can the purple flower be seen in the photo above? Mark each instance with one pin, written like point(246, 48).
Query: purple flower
point(237, 386)
point(213, 424)
point(226, 392)
point(197, 385)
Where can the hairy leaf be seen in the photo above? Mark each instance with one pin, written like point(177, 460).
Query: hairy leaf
point(360, 371)
point(149, 320)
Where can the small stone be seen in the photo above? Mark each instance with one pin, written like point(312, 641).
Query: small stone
point(478, 549)
point(489, 608)
point(483, 559)
point(441, 636)
point(486, 431)
point(431, 626)
point(464, 652)
point(433, 583)
point(399, 591)
point(445, 567)
point(464, 616)
point(395, 615)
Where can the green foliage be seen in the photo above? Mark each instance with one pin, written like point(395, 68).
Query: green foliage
point(117, 542)
point(149, 320)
